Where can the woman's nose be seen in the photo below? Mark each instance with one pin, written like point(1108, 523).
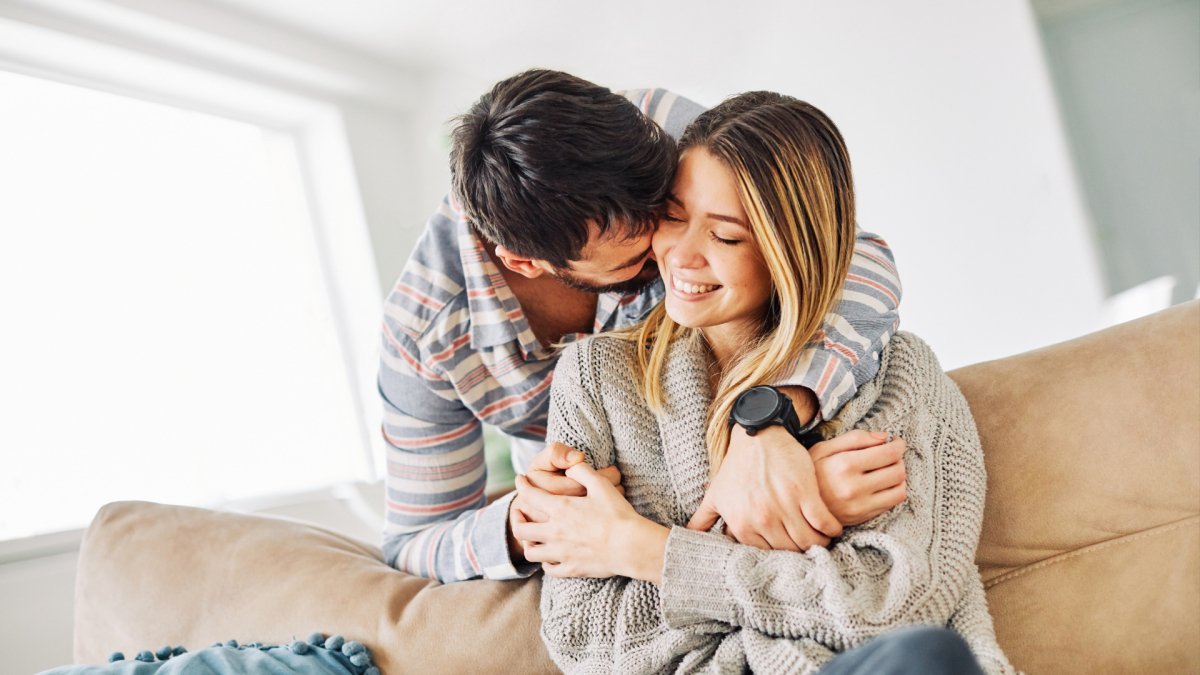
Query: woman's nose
point(685, 253)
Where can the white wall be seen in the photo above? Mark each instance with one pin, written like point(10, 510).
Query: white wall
point(959, 154)
point(958, 150)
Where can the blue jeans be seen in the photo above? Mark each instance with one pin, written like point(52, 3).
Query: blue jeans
point(917, 649)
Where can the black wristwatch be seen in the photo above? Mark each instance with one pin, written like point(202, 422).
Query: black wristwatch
point(762, 406)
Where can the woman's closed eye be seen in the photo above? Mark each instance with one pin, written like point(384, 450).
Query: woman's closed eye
point(722, 240)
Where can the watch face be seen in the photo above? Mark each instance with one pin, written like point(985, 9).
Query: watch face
point(757, 405)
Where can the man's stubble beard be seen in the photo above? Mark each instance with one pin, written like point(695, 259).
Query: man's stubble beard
point(647, 276)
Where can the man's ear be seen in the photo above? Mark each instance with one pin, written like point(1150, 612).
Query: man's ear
point(526, 267)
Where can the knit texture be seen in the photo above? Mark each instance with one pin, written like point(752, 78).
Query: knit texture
point(725, 607)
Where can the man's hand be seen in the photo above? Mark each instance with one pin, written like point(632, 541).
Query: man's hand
point(547, 472)
point(860, 474)
point(767, 492)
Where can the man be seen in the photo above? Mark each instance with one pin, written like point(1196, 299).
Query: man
point(557, 187)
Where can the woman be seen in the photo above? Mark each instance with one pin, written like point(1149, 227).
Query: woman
point(754, 247)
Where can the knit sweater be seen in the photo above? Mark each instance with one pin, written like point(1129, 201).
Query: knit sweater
point(725, 607)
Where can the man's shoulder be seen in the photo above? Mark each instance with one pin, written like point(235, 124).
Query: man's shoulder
point(669, 110)
point(431, 292)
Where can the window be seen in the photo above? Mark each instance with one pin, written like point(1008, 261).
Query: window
point(169, 328)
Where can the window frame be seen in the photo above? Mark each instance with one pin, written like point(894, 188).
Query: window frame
point(95, 52)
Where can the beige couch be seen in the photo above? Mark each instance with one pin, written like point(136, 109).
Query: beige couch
point(1090, 550)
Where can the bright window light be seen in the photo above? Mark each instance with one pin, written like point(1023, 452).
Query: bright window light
point(167, 328)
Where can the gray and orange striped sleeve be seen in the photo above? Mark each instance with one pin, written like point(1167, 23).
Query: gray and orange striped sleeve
point(845, 354)
point(437, 520)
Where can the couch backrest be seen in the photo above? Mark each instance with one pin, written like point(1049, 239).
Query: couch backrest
point(1091, 538)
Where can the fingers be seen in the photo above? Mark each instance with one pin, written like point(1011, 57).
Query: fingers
point(555, 483)
point(555, 570)
point(612, 473)
point(856, 439)
point(704, 518)
point(589, 478)
point(877, 457)
point(778, 537)
point(555, 457)
point(521, 505)
point(804, 535)
point(542, 553)
point(532, 533)
point(889, 499)
point(750, 538)
point(536, 498)
point(885, 478)
point(817, 513)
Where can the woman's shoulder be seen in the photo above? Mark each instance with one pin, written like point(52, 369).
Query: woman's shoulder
point(599, 350)
point(908, 349)
point(595, 359)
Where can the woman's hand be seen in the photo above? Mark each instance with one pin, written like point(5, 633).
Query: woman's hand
point(861, 474)
point(597, 535)
point(547, 471)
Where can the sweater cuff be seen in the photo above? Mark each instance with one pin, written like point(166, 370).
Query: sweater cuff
point(694, 587)
point(490, 541)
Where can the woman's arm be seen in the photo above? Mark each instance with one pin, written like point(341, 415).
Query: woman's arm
point(612, 624)
point(914, 564)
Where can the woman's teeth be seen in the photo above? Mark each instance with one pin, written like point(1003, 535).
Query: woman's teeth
point(692, 289)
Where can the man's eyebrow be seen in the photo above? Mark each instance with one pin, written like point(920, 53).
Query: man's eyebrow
point(632, 261)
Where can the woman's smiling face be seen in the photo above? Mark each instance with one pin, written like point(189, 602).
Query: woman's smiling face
point(706, 253)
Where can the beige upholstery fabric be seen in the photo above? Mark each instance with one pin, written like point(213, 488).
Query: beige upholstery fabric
point(151, 575)
point(1091, 543)
point(1091, 534)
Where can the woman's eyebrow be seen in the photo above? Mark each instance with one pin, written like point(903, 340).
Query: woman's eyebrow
point(715, 216)
point(728, 219)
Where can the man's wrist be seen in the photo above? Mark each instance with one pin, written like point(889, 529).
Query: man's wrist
point(804, 402)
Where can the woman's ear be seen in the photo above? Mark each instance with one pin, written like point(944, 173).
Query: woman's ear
point(526, 267)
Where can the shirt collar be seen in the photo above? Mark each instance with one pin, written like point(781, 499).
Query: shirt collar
point(497, 317)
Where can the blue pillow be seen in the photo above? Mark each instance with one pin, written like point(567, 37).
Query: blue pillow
point(316, 655)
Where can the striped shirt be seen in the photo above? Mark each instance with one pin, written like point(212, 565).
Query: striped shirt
point(457, 352)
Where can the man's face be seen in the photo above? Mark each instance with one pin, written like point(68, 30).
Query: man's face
point(612, 263)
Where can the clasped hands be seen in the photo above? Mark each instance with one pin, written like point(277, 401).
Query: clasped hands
point(771, 493)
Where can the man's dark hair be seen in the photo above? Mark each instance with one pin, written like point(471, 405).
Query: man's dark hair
point(543, 153)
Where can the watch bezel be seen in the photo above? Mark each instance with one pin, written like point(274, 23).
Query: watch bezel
point(759, 422)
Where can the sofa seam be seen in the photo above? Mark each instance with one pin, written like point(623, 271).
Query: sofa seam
point(1063, 557)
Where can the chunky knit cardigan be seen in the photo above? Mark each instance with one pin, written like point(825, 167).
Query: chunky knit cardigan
point(726, 607)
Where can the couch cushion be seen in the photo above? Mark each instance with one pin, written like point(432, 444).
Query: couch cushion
point(156, 574)
point(1089, 546)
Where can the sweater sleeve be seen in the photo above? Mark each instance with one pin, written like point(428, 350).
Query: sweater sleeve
point(613, 624)
point(912, 565)
point(974, 623)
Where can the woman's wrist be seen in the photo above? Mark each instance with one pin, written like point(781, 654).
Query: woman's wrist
point(645, 547)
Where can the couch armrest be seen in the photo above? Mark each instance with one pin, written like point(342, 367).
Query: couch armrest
point(151, 574)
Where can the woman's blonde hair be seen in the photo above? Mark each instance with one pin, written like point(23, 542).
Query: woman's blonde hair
point(793, 178)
